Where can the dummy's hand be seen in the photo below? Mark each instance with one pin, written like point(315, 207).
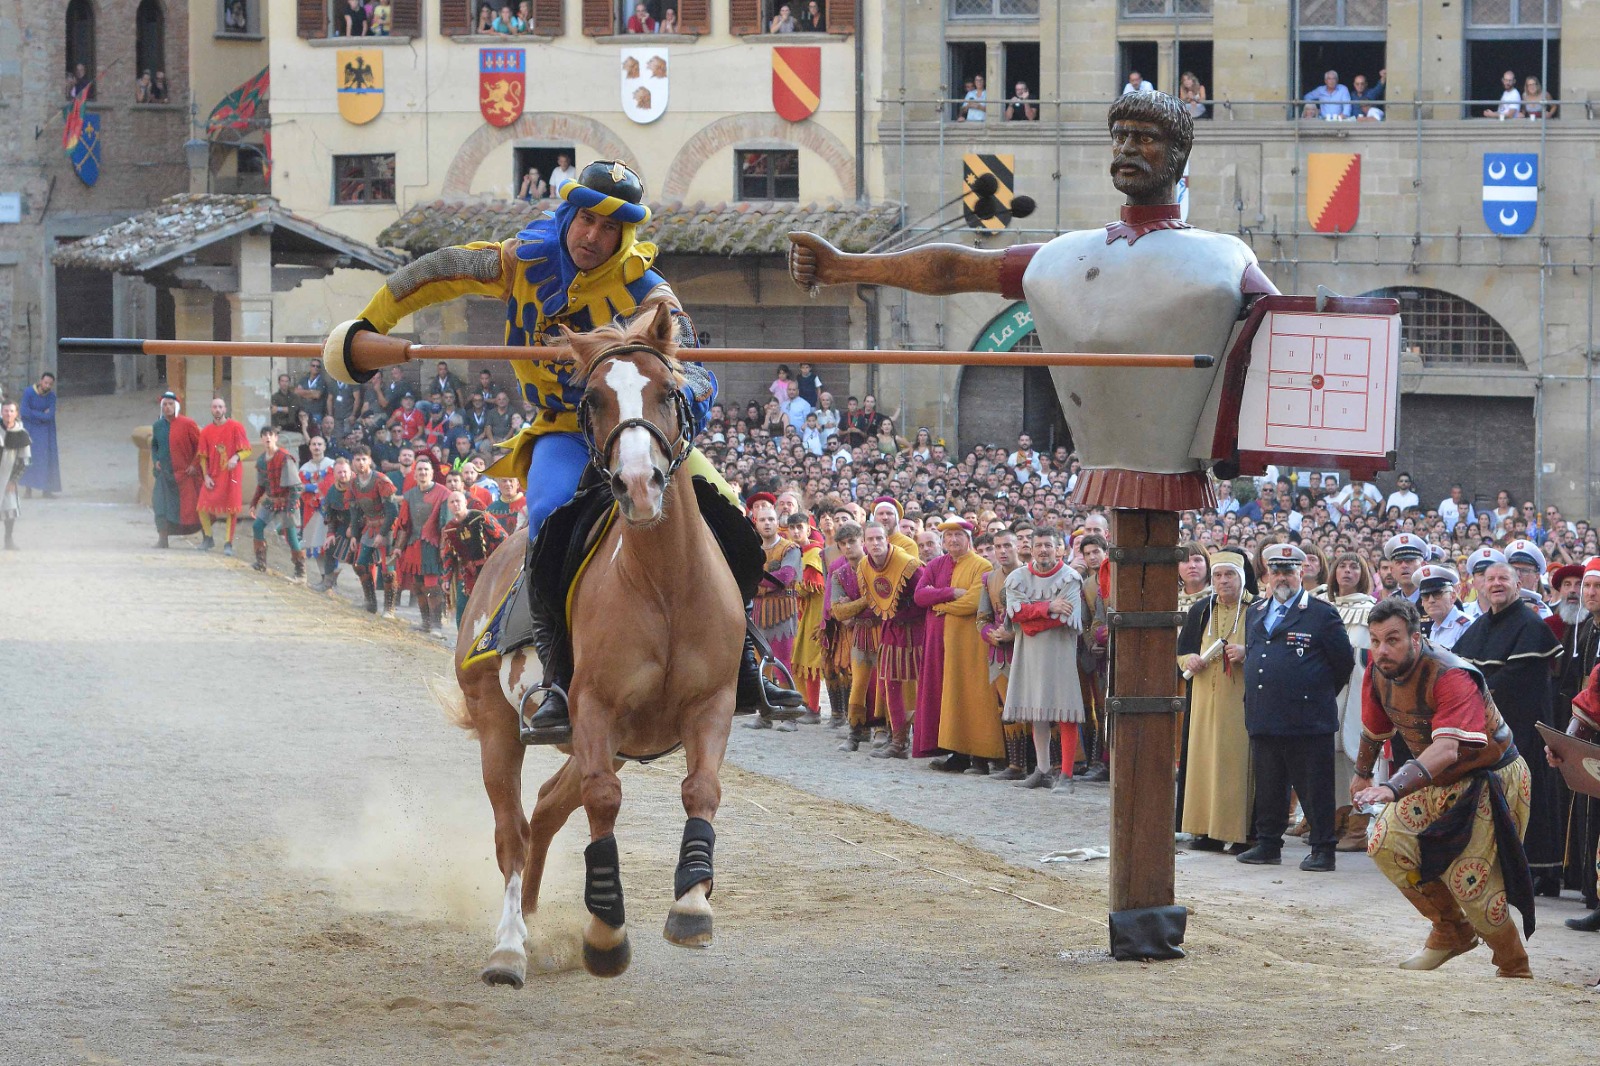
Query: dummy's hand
point(813, 261)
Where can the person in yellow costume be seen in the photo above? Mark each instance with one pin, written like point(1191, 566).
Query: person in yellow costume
point(581, 266)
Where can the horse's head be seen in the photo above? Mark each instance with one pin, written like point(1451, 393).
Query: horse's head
point(634, 415)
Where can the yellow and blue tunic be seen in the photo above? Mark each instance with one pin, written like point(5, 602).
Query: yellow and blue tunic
point(543, 290)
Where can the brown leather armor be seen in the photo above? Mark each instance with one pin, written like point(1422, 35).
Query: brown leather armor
point(1409, 703)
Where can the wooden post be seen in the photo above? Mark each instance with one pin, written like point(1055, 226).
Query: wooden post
point(1142, 734)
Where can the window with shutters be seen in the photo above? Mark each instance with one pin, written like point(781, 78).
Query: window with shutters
point(363, 179)
point(767, 174)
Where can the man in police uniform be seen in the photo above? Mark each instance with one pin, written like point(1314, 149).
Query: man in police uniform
point(580, 266)
point(1404, 553)
point(1443, 620)
point(1529, 563)
point(1478, 564)
point(1297, 658)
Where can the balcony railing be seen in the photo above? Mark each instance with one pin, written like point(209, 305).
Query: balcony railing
point(1165, 9)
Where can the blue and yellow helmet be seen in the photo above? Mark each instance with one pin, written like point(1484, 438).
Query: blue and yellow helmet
point(608, 187)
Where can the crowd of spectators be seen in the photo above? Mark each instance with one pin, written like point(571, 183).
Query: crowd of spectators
point(1336, 102)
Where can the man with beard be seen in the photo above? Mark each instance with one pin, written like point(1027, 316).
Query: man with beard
point(223, 448)
point(369, 498)
point(1045, 602)
point(1452, 816)
point(1443, 621)
point(467, 540)
point(1478, 564)
point(1078, 286)
point(1297, 658)
point(1515, 652)
point(174, 451)
point(1568, 610)
point(1582, 647)
point(1528, 563)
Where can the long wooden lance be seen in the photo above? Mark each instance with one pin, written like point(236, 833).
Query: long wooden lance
point(375, 351)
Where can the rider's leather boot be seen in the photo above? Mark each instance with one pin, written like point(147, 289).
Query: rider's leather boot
point(550, 724)
point(758, 695)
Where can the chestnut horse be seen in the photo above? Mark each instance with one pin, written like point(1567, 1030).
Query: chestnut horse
point(657, 623)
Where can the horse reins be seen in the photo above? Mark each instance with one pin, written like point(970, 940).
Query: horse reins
point(600, 455)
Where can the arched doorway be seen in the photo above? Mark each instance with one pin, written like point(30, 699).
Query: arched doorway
point(1484, 442)
point(995, 403)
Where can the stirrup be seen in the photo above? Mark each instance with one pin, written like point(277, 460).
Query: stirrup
point(525, 728)
point(765, 707)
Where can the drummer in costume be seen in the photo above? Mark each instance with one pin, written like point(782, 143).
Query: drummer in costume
point(581, 266)
point(416, 543)
point(1452, 818)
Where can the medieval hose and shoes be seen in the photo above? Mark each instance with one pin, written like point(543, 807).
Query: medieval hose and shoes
point(953, 763)
point(260, 564)
point(1040, 778)
point(1096, 772)
point(1589, 923)
point(979, 768)
point(227, 549)
point(854, 739)
point(205, 545)
point(899, 746)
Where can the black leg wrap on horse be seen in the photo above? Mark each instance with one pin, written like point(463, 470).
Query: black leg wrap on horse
point(694, 857)
point(602, 883)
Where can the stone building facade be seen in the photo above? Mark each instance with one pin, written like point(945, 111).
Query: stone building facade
point(142, 160)
point(1503, 326)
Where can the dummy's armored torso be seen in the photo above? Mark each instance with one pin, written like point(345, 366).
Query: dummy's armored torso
point(1171, 291)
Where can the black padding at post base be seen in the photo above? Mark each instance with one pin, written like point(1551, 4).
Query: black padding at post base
point(1148, 933)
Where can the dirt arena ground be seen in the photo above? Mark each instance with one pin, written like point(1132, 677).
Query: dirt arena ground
point(238, 831)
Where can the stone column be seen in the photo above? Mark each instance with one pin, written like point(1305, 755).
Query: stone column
point(192, 378)
point(251, 312)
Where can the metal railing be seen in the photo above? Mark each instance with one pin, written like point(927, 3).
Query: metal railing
point(1093, 109)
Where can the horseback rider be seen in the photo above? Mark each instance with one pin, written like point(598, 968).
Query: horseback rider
point(580, 266)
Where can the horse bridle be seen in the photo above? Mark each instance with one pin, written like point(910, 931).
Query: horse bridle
point(600, 455)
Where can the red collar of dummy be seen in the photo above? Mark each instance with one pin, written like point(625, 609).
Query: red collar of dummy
point(1139, 219)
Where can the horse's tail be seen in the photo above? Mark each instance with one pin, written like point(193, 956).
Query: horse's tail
point(447, 694)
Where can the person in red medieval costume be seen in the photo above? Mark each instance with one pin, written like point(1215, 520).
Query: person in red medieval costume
point(175, 463)
point(415, 544)
point(223, 450)
point(467, 540)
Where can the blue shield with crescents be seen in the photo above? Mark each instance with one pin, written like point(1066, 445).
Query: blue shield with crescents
point(1510, 191)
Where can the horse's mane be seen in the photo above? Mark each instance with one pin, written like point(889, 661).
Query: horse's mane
point(645, 327)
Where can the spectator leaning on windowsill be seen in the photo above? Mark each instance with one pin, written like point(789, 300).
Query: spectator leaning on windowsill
point(1331, 98)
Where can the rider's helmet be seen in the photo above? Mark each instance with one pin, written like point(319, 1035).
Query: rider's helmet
point(608, 187)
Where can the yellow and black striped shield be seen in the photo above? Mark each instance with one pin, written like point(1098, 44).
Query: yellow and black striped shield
point(996, 207)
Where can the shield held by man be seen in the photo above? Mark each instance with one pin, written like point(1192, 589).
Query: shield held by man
point(502, 81)
point(1510, 191)
point(796, 82)
point(359, 77)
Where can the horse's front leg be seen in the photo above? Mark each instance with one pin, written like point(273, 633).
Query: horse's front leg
point(606, 952)
point(705, 742)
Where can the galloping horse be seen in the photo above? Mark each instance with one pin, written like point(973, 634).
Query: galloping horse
point(657, 623)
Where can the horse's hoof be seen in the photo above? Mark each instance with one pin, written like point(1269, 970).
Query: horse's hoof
point(607, 962)
point(687, 929)
point(496, 974)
